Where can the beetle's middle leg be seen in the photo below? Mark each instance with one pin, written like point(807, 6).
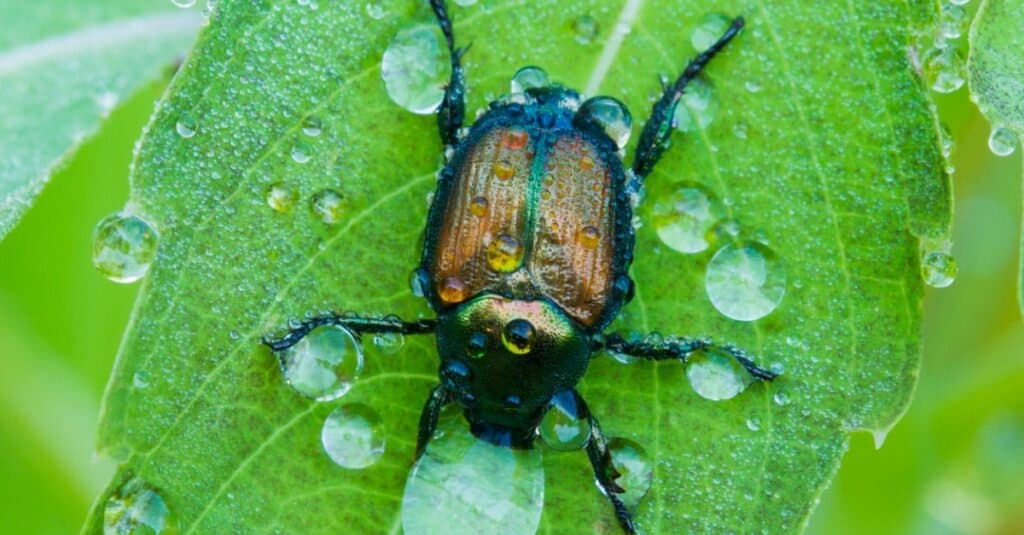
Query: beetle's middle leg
point(654, 138)
point(453, 107)
point(680, 349)
point(357, 324)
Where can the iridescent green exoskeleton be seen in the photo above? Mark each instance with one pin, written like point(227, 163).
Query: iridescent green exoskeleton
point(527, 250)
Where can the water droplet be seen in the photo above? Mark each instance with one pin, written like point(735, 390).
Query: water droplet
point(415, 69)
point(504, 170)
point(465, 3)
point(137, 508)
point(418, 281)
point(684, 219)
point(300, 152)
point(697, 108)
point(952, 20)
point(140, 379)
point(562, 428)
point(879, 437)
point(946, 143)
point(716, 375)
point(944, 69)
point(515, 138)
point(186, 126)
point(466, 486)
point(781, 398)
point(184, 3)
point(529, 77)
point(324, 364)
point(478, 206)
point(389, 343)
point(1002, 141)
point(589, 237)
point(517, 336)
point(123, 247)
point(585, 27)
point(752, 86)
point(375, 10)
point(740, 130)
point(635, 470)
point(328, 206)
point(505, 254)
point(452, 290)
point(612, 116)
point(753, 424)
point(312, 126)
point(281, 197)
point(353, 436)
point(745, 281)
point(938, 269)
point(709, 30)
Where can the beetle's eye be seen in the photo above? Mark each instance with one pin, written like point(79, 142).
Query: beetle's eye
point(476, 347)
point(611, 115)
point(518, 336)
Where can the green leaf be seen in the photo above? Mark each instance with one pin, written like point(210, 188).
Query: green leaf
point(839, 171)
point(64, 65)
point(995, 72)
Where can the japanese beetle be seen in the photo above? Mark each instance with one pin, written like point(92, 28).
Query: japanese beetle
point(527, 249)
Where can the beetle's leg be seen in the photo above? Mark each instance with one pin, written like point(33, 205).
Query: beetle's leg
point(357, 324)
point(453, 107)
point(655, 136)
point(681, 348)
point(439, 397)
point(604, 471)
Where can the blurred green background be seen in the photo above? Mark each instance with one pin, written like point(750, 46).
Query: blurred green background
point(954, 464)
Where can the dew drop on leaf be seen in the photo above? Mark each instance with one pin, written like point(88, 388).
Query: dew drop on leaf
point(635, 470)
point(123, 247)
point(612, 116)
point(683, 218)
point(753, 424)
point(938, 269)
point(312, 126)
point(715, 375)
point(698, 107)
point(415, 69)
point(184, 3)
point(1002, 141)
point(529, 77)
point(388, 343)
point(944, 69)
point(281, 197)
point(328, 206)
point(136, 509)
point(952, 20)
point(585, 27)
point(324, 364)
point(353, 437)
point(186, 126)
point(563, 430)
point(745, 281)
point(709, 30)
point(300, 152)
point(375, 10)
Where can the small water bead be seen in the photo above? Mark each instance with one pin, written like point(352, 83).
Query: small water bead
point(328, 206)
point(504, 170)
point(753, 424)
point(781, 398)
point(324, 364)
point(635, 470)
point(585, 27)
point(944, 69)
point(137, 509)
point(375, 10)
point(740, 130)
point(184, 3)
point(515, 138)
point(938, 269)
point(452, 290)
point(186, 126)
point(418, 281)
point(684, 219)
point(752, 86)
point(312, 126)
point(952, 20)
point(946, 143)
point(300, 152)
point(529, 77)
point(466, 486)
point(745, 281)
point(589, 237)
point(709, 30)
point(123, 247)
point(389, 343)
point(281, 197)
point(697, 108)
point(715, 375)
point(1002, 141)
point(479, 206)
point(353, 436)
point(505, 254)
point(562, 428)
point(518, 336)
point(612, 116)
point(415, 69)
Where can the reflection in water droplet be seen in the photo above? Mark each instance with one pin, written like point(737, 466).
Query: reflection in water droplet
point(586, 29)
point(944, 69)
point(938, 269)
point(281, 197)
point(697, 108)
point(715, 375)
point(328, 206)
point(136, 509)
point(683, 219)
point(186, 126)
point(707, 32)
point(465, 486)
point(562, 429)
point(635, 470)
point(389, 343)
point(1002, 141)
point(324, 364)
point(352, 436)
point(745, 281)
point(123, 247)
point(415, 69)
point(505, 254)
point(312, 126)
point(612, 116)
point(529, 77)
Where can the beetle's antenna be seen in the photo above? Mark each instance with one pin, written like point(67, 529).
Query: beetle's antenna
point(452, 111)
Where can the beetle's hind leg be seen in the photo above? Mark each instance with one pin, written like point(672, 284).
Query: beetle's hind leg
point(357, 324)
point(680, 349)
point(654, 138)
point(453, 107)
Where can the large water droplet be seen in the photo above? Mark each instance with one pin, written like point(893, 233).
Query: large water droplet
point(585, 27)
point(612, 116)
point(635, 470)
point(709, 30)
point(466, 486)
point(136, 509)
point(697, 108)
point(328, 205)
point(684, 219)
point(353, 437)
point(745, 281)
point(123, 247)
point(716, 375)
point(1002, 141)
point(415, 69)
point(281, 197)
point(944, 69)
point(562, 429)
point(324, 364)
point(938, 269)
point(529, 77)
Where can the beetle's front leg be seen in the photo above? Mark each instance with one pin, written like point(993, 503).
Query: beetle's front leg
point(438, 399)
point(357, 324)
point(681, 348)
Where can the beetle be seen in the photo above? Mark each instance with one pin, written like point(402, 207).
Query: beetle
point(527, 249)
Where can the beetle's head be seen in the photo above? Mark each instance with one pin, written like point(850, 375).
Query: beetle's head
point(505, 358)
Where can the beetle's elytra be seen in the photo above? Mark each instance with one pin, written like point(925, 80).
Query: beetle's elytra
point(526, 255)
